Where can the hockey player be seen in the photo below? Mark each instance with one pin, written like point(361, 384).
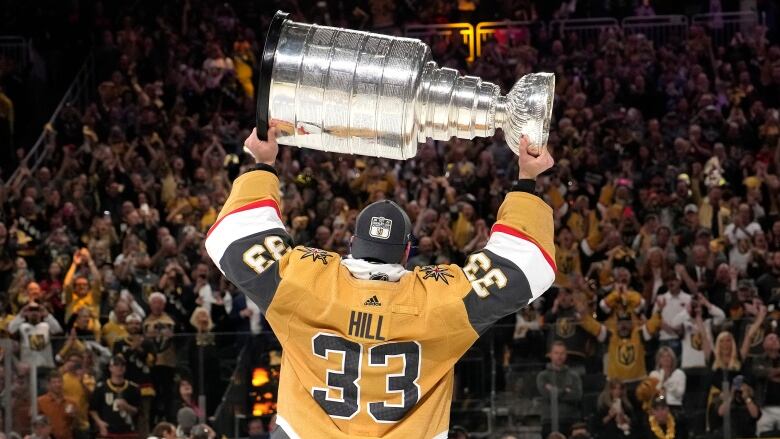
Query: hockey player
point(369, 347)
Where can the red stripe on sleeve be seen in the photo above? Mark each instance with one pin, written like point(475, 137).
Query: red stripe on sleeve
point(501, 228)
point(252, 205)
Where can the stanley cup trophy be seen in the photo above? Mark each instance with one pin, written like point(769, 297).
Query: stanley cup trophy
point(355, 92)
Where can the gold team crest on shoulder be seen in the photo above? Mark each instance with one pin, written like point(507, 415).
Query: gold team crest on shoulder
point(315, 254)
point(436, 272)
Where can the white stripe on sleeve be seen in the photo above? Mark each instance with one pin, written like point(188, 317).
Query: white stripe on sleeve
point(527, 256)
point(286, 427)
point(235, 226)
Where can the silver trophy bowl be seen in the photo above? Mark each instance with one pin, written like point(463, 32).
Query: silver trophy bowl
point(355, 92)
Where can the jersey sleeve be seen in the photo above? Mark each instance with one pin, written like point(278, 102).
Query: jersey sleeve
point(248, 242)
point(652, 326)
point(516, 266)
point(592, 327)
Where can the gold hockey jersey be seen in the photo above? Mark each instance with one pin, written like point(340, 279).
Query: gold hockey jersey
point(374, 358)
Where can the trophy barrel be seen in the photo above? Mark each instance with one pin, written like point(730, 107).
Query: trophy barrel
point(340, 90)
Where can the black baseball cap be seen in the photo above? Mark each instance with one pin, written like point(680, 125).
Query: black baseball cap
point(382, 231)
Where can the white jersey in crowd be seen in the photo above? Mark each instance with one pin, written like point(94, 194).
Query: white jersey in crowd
point(674, 385)
point(36, 339)
point(734, 233)
point(674, 305)
point(693, 339)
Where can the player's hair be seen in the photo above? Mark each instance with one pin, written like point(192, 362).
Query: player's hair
point(158, 295)
point(605, 397)
point(558, 343)
point(54, 374)
point(665, 350)
point(733, 360)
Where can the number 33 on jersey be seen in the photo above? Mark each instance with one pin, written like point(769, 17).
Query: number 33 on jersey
point(374, 357)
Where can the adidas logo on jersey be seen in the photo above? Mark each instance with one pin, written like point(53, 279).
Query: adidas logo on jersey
point(372, 301)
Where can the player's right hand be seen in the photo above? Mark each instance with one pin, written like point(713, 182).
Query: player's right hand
point(531, 166)
point(263, 152)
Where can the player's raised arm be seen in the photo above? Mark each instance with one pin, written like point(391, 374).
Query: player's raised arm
point(249, 240)
point(518, 263)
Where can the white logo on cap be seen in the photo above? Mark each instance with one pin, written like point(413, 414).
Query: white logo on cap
point(380, 227)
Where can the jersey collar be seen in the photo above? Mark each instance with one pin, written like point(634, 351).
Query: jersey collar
point(365, 270)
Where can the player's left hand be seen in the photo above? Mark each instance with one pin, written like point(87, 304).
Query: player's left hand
point(530, 165)
point(263, 152)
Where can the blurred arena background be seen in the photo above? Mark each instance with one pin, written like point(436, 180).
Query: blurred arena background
point(121, 127)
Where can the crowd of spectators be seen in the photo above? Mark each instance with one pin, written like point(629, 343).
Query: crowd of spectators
point(666, 199)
